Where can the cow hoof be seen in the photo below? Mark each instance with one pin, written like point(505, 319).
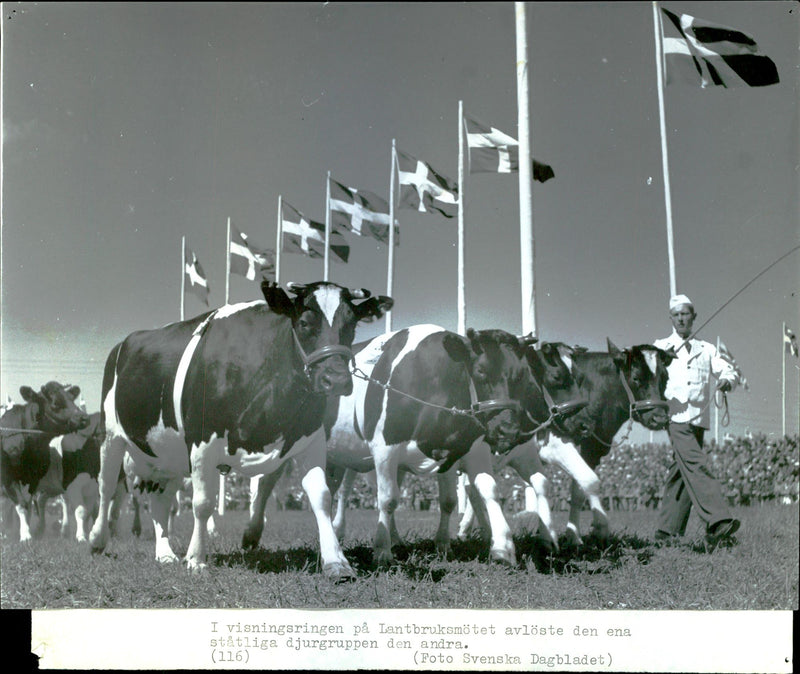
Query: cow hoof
point(168, 559)
point(443, 549)
point(503, 557)
point(601, 533)
point(337, 572)
point(195, 568)
point(251, 540)
point(572, 539)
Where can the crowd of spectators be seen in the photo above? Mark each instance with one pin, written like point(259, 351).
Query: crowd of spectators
point(751, 469)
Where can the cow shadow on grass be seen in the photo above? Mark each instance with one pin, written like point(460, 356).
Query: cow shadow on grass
point(418, 559)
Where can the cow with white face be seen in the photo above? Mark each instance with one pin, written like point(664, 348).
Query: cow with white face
point(430, 394)
point(243, 387)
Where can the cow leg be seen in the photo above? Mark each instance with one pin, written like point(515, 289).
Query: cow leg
point(205, 486)
point(388, 500)
point(478, 465)
point(23, 505)
point(528, 464)
point(340, 482)
point(111, 454)
point(160, 505)
point(467, 519)
point(65, 516)
point(448, 500)
point(120, 493)
point(87, 505)
point(261, 488)
point(311, 464)
point(9, 521)
point(584, 482)
point(40, 504)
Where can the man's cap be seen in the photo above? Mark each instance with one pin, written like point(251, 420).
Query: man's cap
point(678, 300)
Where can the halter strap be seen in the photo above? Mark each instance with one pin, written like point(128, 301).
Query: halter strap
point(635, 407)
point(309, 360)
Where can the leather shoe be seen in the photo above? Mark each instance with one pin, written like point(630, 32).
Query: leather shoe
point(721, 531)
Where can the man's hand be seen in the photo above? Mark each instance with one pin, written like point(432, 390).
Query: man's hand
point(724, 386)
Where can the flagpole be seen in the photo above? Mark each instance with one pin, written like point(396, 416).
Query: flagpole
point(183, 274)
point(673, 285)
point(278, 241)
point(716, 409)
point(327, 227)
point(228, 265)
point(390, 269)
point(783, 380)
point(462, 301)
point(526, 240)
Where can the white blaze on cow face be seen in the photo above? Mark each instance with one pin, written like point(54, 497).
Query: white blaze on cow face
point(651, 358)
point(328, 298)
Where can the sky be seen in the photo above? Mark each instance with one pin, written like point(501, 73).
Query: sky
point(127, 126)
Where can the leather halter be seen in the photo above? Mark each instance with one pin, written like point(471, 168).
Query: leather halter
point(309, 360)
point(636, 407)
point(486, 406)
point(558, 411)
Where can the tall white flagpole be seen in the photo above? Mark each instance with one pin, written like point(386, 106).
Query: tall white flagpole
point(222, 480)
point(673, 286)
point(278, 240)
point(326, 264)
point(783, 380)
point(228, 264)
point(462, 301)
point(183, 275)
point(526, 241)
point(390, 268)
point(716, 410)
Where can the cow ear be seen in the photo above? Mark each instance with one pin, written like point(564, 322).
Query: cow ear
point(457, 347)
point(474, 342)
point(27, 393)
point(74, 391)
point(277, 299)
point(373, 308)
point(617, 355)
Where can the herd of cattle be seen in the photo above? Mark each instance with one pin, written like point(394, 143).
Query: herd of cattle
point(252, 386)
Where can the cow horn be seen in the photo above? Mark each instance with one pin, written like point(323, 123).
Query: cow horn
point(359, 293)
point(527, 340)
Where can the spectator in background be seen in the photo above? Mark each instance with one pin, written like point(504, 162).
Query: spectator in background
point(689, 479)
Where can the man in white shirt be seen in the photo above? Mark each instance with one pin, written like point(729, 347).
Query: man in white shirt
point(689, 480)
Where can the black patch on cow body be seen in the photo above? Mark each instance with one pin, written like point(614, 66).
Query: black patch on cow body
point(32, 450)
point(81, 451)
point(431, 375)
point(373, 402)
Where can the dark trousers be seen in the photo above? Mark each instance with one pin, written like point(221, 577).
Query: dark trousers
point(690, 482)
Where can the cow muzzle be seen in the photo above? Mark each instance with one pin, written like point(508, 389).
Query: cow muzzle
point(651, 414)
point(327, 368)
point(503, 429)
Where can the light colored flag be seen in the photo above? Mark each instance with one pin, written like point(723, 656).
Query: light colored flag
point(248, 259)
point(705, 54)
point(423, 189)
point(359, 211)
point(307, 237)
point(725, 352)
point(790, 342)
point(492, 151)
point(197, 282)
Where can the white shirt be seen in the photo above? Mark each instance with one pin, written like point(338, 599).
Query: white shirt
point(688, 389)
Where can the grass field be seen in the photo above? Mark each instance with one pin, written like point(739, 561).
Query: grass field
point(759, 571)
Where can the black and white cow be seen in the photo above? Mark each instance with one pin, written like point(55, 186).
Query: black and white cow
point(25, 435)
point(619, 386)
point(430, 395)
point(72, 477)
point(244, 387)
point(549, 402)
